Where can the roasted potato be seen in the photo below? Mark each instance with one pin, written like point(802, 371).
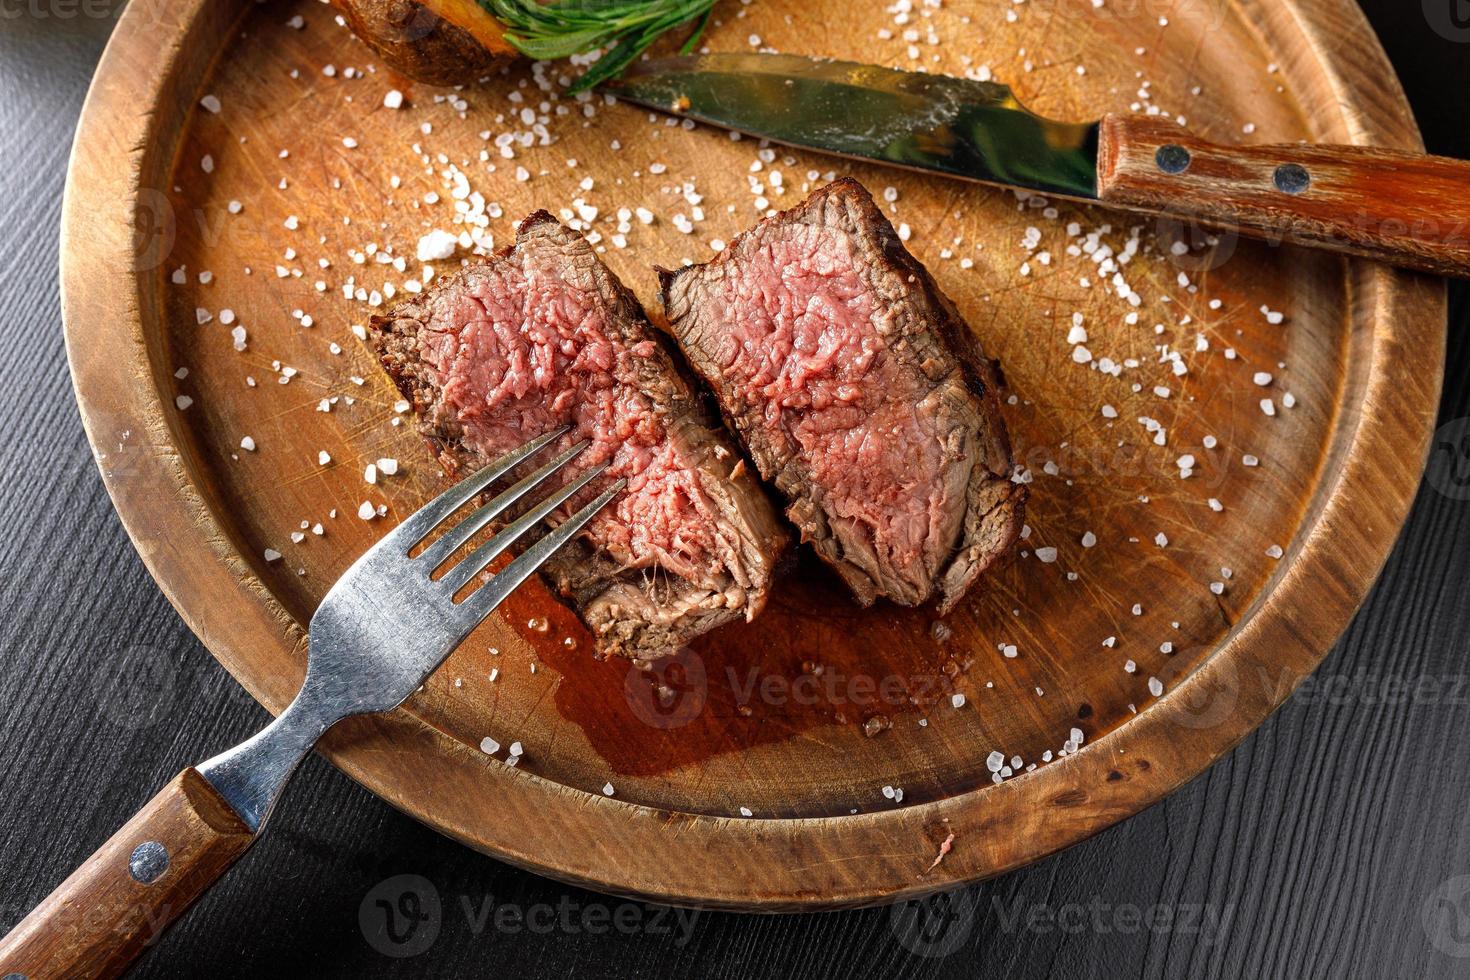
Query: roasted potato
point(440, 42)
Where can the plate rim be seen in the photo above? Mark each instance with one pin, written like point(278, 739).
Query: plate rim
point(1356, 513)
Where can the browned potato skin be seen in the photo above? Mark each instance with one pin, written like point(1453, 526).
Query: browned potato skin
point(421, 41)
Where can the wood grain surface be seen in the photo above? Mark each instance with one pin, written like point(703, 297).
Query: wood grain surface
point(1324, 833)
point(124, 897)
point(1407, 209)
point(1214, 486)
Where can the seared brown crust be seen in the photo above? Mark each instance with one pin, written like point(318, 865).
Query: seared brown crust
point(638, 615)
point(420, 43)
point(994, 505)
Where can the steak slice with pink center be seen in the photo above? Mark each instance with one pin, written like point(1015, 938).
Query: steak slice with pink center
point(544, 335)
point(859, 393)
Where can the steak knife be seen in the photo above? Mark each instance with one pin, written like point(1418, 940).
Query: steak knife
point(1406, 209)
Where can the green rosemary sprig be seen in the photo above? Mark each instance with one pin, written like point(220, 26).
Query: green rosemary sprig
point(546, 31)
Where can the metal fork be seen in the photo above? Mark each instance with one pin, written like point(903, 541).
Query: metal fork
point(382, 629)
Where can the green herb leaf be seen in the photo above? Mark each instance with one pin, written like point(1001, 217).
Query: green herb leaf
point(547, 31)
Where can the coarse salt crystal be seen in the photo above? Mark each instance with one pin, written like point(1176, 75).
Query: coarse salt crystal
point(437, 245)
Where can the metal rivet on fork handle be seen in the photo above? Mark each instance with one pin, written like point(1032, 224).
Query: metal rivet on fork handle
point(149, 862)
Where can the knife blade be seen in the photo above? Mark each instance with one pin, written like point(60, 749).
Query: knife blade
point(1403, 208)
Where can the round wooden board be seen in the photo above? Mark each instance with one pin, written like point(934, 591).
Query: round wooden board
point(811, 716)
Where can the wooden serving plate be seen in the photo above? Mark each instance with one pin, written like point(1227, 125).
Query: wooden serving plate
point(805, 716)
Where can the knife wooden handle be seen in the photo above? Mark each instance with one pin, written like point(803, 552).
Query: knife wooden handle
point(99, 920)
point(1406, 209)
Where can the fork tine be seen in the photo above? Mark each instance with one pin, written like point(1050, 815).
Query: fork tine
point(483, 602)
point(456, 577)
point(440, 550)
point(432, 514)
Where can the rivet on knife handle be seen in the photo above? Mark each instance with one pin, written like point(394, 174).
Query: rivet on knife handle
point(1405, 209)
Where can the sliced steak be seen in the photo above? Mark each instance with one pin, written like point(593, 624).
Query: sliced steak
point(543, 335)
point(860, 394)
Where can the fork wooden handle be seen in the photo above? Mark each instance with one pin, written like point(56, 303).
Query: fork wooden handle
point(1406, 209)
point(99, 920)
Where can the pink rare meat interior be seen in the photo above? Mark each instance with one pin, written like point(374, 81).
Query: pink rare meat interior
point(542, 335)
point(804, 344)
point(521, 352)
point(859, 393)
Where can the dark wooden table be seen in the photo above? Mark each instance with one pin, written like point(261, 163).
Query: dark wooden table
point(1333, 843)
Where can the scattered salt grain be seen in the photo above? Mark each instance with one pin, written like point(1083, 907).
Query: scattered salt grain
point(437, 245)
